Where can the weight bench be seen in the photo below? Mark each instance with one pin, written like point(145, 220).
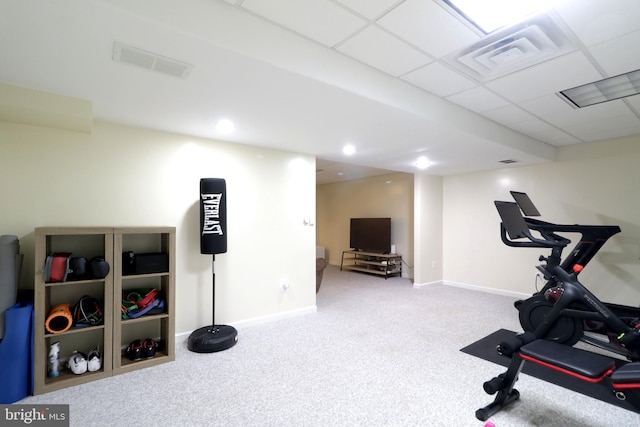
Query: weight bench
point(584, 365)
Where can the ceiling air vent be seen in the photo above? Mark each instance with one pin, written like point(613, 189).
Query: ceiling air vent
point(150, 61)
point(530, 42)
point(508, 161)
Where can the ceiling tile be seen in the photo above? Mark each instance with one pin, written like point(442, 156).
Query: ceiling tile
point(369, 8)
point(597, 21)
point(381, 50)
point(620, 55)
point(605, 128)
point(478, 99)
point(549, 77)
point(634, 101)
point(507, 115)
point(320, 20)
point(552, 109)
point(544, 132)
point(429, 27)
point(555, 137)
point(438, 79)
point(559, 139)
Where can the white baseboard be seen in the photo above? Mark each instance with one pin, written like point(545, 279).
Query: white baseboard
point(427, 285)
point(485, 289)
point(276, 316)
point(183, 336)
point(472, 287)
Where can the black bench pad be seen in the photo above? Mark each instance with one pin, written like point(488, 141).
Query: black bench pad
point(627, 374)
point(573, 361)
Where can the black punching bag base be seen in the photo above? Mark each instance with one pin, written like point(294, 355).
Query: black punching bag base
point(212, 338)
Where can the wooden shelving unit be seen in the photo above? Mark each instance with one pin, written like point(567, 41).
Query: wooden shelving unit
point(109, 336)
point(87, 242)
point(370, 262)
point(159, 327)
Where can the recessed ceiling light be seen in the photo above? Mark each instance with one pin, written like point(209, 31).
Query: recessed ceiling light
point(604, 90)
point(489, 15)
point(225, 126)
point(349, 149)
point(423, 162)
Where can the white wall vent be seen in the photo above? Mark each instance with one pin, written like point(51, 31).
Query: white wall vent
point(150, 61)
point(530, 42)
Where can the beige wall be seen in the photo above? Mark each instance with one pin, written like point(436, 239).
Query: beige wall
point(591, 183)
point(123, 176)
point(382, 196)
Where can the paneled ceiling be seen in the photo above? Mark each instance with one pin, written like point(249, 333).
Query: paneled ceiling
point(397, 79)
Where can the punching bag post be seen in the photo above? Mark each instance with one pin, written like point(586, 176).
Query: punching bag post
point(213, 240)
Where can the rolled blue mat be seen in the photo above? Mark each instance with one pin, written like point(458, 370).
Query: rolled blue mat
point(16, 354)
point(10, 265)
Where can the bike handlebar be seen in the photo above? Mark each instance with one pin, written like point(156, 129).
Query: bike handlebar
point(514, 225)
point(516, 231)
point(550, 240)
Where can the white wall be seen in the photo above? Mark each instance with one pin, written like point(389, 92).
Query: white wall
point(428, 259)
point(123, 176)
point(381, 196)
point(591, 183)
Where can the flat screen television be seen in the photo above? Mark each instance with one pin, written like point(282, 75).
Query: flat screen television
point(370, 235)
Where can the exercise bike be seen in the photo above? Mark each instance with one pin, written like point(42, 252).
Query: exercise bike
point(564, 292)
point(577, 322)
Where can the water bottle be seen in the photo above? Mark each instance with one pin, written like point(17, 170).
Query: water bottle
point(54, 359)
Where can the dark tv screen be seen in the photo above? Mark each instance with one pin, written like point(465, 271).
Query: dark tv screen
point(370, 234)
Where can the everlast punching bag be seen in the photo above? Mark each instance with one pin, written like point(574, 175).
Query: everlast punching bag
point(213, 240)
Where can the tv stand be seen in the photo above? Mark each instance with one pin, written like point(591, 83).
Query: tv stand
point(371, 262)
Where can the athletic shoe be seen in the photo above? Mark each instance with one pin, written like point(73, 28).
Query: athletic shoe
point(149, 347)
point(134, 351)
